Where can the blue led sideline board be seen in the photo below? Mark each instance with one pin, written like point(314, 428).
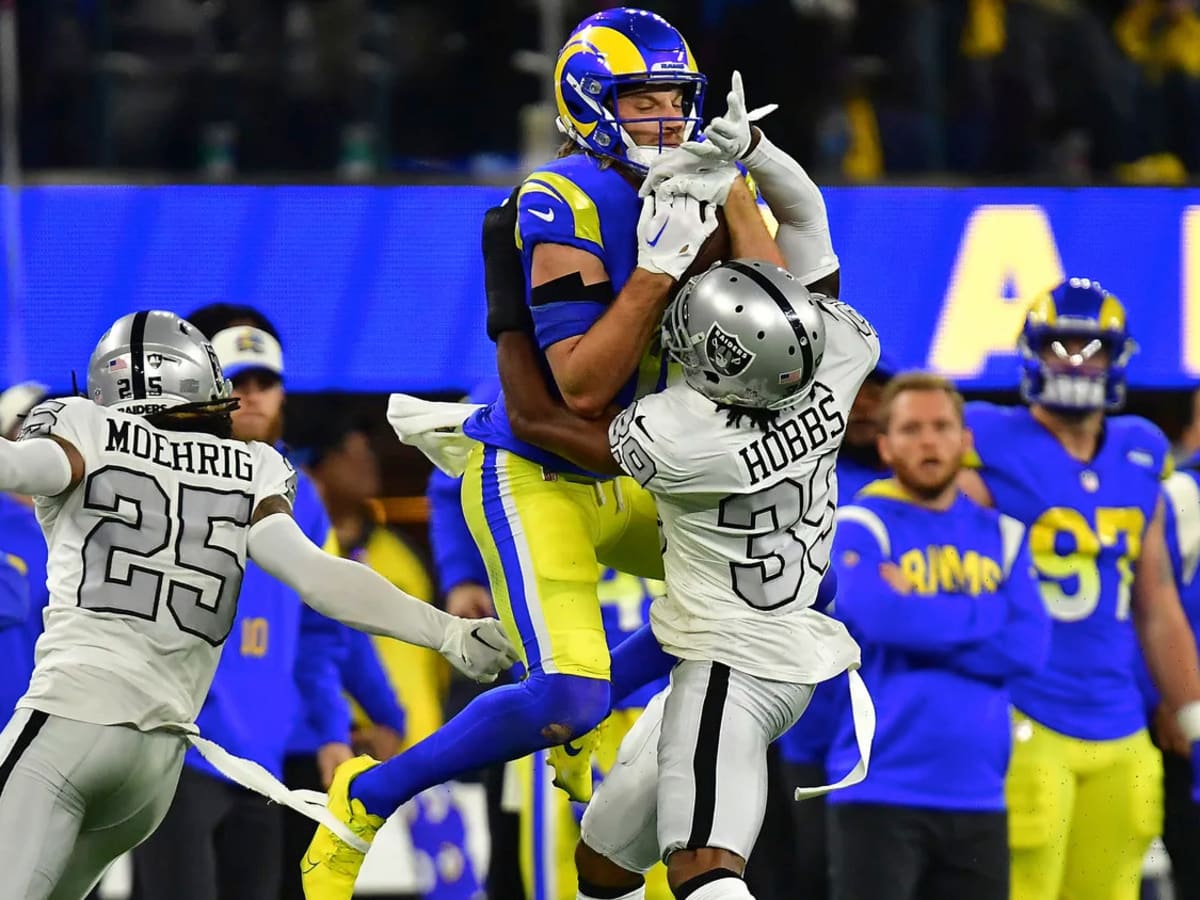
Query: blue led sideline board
point(380, 289)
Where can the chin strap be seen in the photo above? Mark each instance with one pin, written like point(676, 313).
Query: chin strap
point(862, 713)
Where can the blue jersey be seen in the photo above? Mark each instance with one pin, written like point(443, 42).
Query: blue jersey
point(334, 658)
point(853, 476)
point(938, 658)
point(580, 202)
point(1086, 524)
point(366, 680)
point(807, 742)
point(1181, 524)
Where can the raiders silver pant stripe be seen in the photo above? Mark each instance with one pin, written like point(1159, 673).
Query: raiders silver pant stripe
point(692, 772)
point(77, 796)
point(704, 762)
point(29, 731)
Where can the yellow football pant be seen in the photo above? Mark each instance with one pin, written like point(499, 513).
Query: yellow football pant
point(542, 537)
point(1081, 814)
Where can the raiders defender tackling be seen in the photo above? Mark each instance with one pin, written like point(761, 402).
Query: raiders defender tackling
point(150, 511)
point(740, 459)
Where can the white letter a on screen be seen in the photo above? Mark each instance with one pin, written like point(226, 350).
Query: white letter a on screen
point(1006, 258)
point(1189, 331)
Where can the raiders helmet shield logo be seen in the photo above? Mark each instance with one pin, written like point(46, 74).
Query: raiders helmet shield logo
point(725, 352)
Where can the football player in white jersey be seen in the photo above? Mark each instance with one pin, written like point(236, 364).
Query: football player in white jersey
point(150, 510)
point(740, 459)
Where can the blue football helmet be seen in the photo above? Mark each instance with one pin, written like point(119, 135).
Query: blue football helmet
point(611, 51)
point(1069, 380)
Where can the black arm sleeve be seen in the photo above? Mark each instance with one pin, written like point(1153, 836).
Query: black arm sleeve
point(504, 276)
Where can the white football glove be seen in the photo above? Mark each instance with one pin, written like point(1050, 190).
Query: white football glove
point(729, 135)
point(478, 648)
point(671, 230)
point(682, 160)
point(727, 138)
point(710, 186)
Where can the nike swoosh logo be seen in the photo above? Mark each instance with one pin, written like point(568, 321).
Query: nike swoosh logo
point(547, 216)
point(567, 749)
point(308, 865)
point(638, 420)
point(653, 242)
point(475, 634)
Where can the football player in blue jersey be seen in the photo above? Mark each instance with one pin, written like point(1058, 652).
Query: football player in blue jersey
point(596, 266)
point(1084, 787)
point(599, 264)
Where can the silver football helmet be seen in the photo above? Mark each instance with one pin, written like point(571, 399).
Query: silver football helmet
point(153, 360)
point(747, 334)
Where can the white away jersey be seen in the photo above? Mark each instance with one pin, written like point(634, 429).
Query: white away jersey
point(747, 516)
point(146, 557)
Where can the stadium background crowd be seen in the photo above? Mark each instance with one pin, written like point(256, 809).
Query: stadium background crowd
point(272, 91)
point(1060, 90)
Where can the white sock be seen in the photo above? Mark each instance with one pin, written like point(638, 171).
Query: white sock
point(636, 894)
point(730, 888)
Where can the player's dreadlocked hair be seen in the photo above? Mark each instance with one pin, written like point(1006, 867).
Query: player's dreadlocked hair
point(213, 417)
point(763, 419)
point(208, 417)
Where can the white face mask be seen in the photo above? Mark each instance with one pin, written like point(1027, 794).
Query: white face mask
point(644, 155)
point(1074, 391)
point(1068, 383)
